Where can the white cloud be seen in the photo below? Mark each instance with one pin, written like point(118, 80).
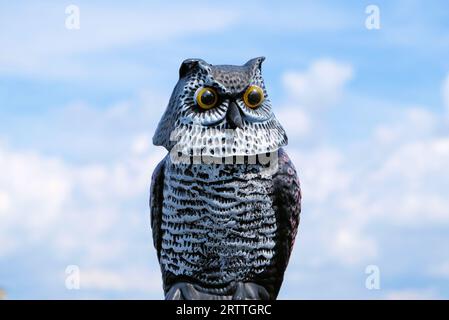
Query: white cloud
point(321, 85)
point(5, 202)
point(416, 123)
point(84, 207)
point(295, 121)
point(329, 219)
point(309, 93)
point(92, 215)
point(34, 191)
point(141, 144)
point(320, 172)
point(73, 209)
point(410, 183)
point(121, 280)
point(92, 210)
point(352, 247)
point(411, 294)
point(396, 178)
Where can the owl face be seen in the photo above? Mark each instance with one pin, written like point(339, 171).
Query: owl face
point(220, 111)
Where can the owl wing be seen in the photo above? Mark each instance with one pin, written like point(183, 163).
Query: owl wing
point(287, 206)
point(156, 199)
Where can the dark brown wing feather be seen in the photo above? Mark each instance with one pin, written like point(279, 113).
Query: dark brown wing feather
point(287, 205)
point(156, 200)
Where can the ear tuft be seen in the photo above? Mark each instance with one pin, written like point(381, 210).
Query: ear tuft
point(187, 66)
point(255, 63)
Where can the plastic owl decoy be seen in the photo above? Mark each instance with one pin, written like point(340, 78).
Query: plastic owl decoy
point(225, 201)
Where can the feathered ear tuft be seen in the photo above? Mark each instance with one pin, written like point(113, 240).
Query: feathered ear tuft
point(255, 63)
point(190, 64)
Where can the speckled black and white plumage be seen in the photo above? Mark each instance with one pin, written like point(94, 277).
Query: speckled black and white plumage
point(189, 129)
point(223, 231)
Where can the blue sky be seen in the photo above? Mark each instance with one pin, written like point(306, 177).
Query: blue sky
point(366, 111)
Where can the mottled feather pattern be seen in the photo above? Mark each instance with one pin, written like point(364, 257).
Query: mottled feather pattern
point(190, 129)
point(218, 224)
point(229, 224)
point(156, 200)
point(287, 205)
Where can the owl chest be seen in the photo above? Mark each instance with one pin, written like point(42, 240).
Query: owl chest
point(218, 223)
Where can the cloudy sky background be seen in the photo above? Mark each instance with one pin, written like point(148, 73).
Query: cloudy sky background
point(367, 113)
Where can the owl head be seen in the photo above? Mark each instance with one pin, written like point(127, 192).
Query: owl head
point(220, 111)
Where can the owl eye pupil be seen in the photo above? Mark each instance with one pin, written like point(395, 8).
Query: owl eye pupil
point(208, 97)
point(254, 97)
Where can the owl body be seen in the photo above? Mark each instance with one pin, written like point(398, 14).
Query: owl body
point(218, 224)
point(225, 201)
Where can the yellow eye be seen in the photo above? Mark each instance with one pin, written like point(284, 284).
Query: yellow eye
point(253, 97)
point(206, 98)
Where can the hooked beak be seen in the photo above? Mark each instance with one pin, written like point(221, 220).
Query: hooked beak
point(233, 116)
